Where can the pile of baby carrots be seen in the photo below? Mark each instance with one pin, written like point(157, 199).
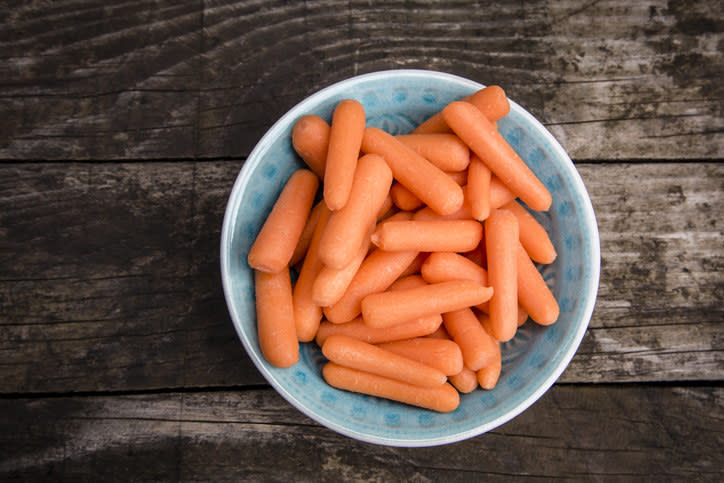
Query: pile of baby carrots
point(417, 262)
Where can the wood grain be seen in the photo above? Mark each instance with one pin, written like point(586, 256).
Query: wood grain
point(631, 433)
point(204, 79)
point(110, 276)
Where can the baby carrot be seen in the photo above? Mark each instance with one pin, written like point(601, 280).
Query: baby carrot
point(345, 138)
point(356, 354)
point(465, 381)
point(307, 314)
point(501, 242)
point(386, 309)
point(425, 180)
point(348, 226)
point(443, 398)
point(310, 139)
point(499, 193)
point(275, 243)
point(359, 330)
point(275, 318)
point(490, 100)
point(403, 198)
point(443, 355)
point(533, 294)
point(428, 236)
point(488, 376)
point(478, 188)
point(533, 236)
point(306, 236)
point(446, 266)
point(331, 283)
point(446, 151)
point(376, 274)
point(477, 346)
point(485, 141)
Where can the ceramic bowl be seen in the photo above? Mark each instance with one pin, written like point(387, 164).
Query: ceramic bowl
point(397, 101)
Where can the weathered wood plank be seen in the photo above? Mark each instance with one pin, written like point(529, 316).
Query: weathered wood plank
point(110, 277)
point(576, 433)
point(165, 79)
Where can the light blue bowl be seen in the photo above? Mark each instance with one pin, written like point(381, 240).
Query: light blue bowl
point(396, 101)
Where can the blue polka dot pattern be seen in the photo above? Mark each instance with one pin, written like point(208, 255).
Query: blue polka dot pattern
point(397, 101)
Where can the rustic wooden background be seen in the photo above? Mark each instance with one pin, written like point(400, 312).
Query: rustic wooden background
point(124, 124)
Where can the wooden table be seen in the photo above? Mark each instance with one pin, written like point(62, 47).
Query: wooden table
point(124, 126)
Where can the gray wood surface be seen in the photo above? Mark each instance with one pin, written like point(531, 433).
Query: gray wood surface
point(573, 433)
point(124, 124)
point(112, 278)
point(186, 79)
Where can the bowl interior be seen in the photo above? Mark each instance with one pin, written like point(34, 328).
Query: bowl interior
point(396, 101)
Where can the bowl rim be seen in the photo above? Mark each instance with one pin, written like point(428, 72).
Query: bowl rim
point(233, 207)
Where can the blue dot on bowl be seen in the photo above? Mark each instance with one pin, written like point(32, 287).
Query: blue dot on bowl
point(392, 419)
point(426, 420)
point(328, 399)
point(430, 96)
point(300, 377)
point(399, 94)
point(358, 412)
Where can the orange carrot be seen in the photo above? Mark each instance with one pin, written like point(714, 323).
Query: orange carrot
point(275, 318)
point(490, 100)
point(422, 178)
point(522, 315)
point(348, 226)
point(443, 398)
point(428, 214)
point(306, 236)
point(376, 274)
point(488, 376)
point(485, 141)
point(501, 241)
point(428, 236)
point(307, 314)
point(331, 284)
point(477, 346)
point(356, 354)
point(446, 151)
point(478, 188)
point(465, 381)
point(345, 138)
point(386, 309)
point(310, 139)
point(533, 236)
point(406, 200)
point(403, 198)
point(443, 355)
point(499, 193)
point(533, 294)
point(359, 330)
point(275, 243)
point(446, 266)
